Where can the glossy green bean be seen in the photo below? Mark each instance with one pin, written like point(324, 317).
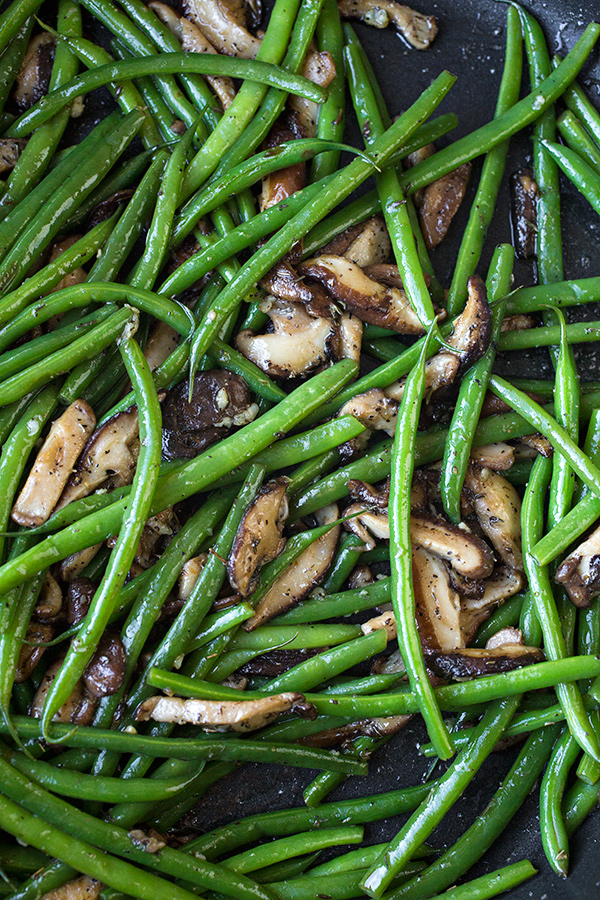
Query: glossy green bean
point(11, 59)
point(578, 803)
point(578, 102)
point(14, 17)
point(495, 883)
point(340, 186)
point(331, 121)
point(585, 178)
point(552, 826)
point(449, 788)
point(578, 139)
point(403, 599)
point(144, 483)
point(290, 846)
point(165, 64)
point(472, 391)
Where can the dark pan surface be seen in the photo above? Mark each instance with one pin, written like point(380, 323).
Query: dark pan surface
point(471, 44)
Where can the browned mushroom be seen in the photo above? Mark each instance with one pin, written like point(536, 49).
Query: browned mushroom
point(82, 888)
point(79, 708)
point(376, 411)
point(498, 457)
point(524, 212)
point(418, 30)
point(376, 728)
point(318, 67)
point(281, 184)
point(360, 577)
point(440, 203)
point(149, 842)
point(465, 552)
point(222, 715)
point(579, 573)
point(10, 151)
point(298, 343)
point(72, 567)
point(530, 445)
point(37, 633)
point(474, 663)
point(498, 509)
point(386, 621)
point(161, 342)
point(32, 81)
point(365, 244)
point(79, 597)
point(259, 536)
point(223, 23)
point(105, 673)
point(193, 40)
point(220, 403)
point(303, 575)
point(54, 464)
point(437, 606)
point(371, 301)
point(368, 494)
point(367, 524)
point(49, 605)
point(162, 525)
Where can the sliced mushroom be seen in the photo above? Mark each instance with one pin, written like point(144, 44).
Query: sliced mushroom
point(221, 402)
point(220, 22)
point(498, 509)
point(468, 554)
point(518, 322)
point(82, 888)
point(225, 715)
point(371, 247)
point(10, 151)
point(297, 345)
point(280, 185)
point(440, 371)
point(504, 637)
point(259, 536)
point(31, 84)
point(417, 29)
point(384, 622)
point(72, 567)
point(79, 708)
point(360, 577)
point(54, 464)
point(29, 654)
point(276, 662)
point(105, 673)
point(472, 663)
point(285, 284)
point(49, 605)
point(376, 728)
point(349, 335)
point(503, 583)
point(161, 342)
point(318, 67)
point(163, 524)
point(524, 212)
point(437, 606)
point(376, 411)
point(302, 576)
point(498, 457)
point(367, 523)
point(189, 575)
point(368, 494)
point(530, 445)
point(108, 459)
point(440, 202)
point(151, 842)
point(371, 301)
point(193, 40)
point(79, 598)
point(579, 573)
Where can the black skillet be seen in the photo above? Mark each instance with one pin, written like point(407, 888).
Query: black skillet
point(470, 44)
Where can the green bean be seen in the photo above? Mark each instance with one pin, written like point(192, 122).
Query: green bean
point(14, 17)
point(566, 293)
point(221, 622)
point(11, 59)
point(83, 856)
point(331, 121)
point(403, 599)
point(236, 134)
point(53, 876)
point(116, 841)
point(543, 422)
point(246, 174)
point(577, 101)
point(293, 845)
point(340, 186)
point(492, 171)
point(472, 391)
point(548, 232)
point(269, 637)
point(548, 335)
point(567, 531)
point(341, 886)
point(40, 373)
point(144, 482)
point(71, 192)
point(165, 64)
point(552, 826)
point(503, 127)
point(80, 295)
point(491, 885)
point(14, 858)
point(349, 555)
point(578, 171)
point(372, 122)
point(578, 139)
point(94, 787)
point(449, 788)
point(545, 607)
point(579, 801)
point(345, 603)
point(506, 615)
point(230, 359)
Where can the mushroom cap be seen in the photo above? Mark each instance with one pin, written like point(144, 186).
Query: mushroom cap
point(259, 536)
